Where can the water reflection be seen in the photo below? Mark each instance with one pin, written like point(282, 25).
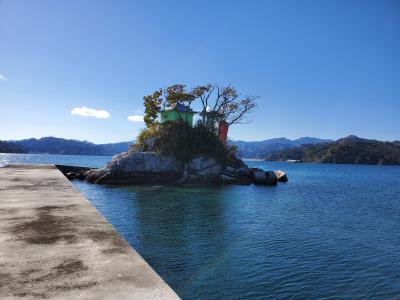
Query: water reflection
point(332, 231)
point(176, 217)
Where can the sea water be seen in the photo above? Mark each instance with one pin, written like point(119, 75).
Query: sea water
point(331, 232)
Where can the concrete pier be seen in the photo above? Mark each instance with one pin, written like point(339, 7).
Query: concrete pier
point(55, 244)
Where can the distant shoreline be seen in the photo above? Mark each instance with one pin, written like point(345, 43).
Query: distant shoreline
point(104, 157)
point(349, 150)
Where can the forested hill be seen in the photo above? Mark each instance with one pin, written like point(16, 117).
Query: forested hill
point(262, 149)
point(349, 150)
point(6, 147)
point(54, 145)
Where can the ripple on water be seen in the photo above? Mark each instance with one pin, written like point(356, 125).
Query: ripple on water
point(331, 232)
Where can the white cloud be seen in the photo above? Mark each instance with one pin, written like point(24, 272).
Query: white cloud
point(2, 77)
point(135, 118)
point(90, 112)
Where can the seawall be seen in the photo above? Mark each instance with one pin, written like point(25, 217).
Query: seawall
point(55, 244)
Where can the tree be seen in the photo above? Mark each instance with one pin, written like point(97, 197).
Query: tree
point(152, 107)
point(177, 94)
point(230, 107)
point(223, 104)
point(203, 92)
point(219, 104)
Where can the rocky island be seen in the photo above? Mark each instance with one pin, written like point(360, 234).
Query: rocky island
point(137, 167)
point(173, 150)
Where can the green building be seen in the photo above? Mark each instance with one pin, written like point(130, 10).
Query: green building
point(178, 112)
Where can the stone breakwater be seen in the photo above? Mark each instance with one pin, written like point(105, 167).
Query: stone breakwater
point(55, 245)
point(134, 167)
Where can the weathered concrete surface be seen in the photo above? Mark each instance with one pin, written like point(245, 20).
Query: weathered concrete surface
point(55, 244)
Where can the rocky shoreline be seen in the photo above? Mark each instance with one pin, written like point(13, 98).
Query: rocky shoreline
point(136, 167)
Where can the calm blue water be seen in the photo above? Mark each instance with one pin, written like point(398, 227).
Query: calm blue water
point(331, 232)
point(70, 160)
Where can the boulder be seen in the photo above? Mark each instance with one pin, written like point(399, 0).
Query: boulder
point(72, 175)
point(150, 143)
point(73, 172)
point(229, 171)
point(99, 175)
point(281, 176)
point(138, 167)
point(237, 163)
point(228, 179)
point(244, 177)
point(192, 179)
point(244, 180)
point(264, 177)
point(259, 177)
point(134, 148)
point(204, 167)
point(144, 162)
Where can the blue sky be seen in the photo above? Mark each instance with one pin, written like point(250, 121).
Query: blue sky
point(321, 68)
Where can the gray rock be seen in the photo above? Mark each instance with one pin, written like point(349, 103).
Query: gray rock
point(230, 169)
point(244, 176)
point(281, 176)
point(72, 175)
point(144, 162)
point(150, 143)
point(259, 177)
point(95, 175)
point(134, 148)
point(228, 179)
point(204, 167)
point(266, 178)
point(138, 167)
point(193, 179)
point(271, 178)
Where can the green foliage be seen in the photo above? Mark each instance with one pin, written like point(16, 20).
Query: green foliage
point(177, 93)
point(185, 142)
point(146, 133)
point(350, 150)
point(152, 107)
point(218, 103)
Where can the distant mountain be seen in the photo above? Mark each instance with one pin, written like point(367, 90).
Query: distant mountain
point(348, 150)
point(114, 148)
point(54, 145)
point(262, 149)
point(7, 147)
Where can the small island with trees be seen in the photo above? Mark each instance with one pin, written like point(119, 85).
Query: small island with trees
point(185, 141)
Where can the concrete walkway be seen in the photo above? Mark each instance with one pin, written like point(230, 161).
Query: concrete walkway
point(55, 244)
